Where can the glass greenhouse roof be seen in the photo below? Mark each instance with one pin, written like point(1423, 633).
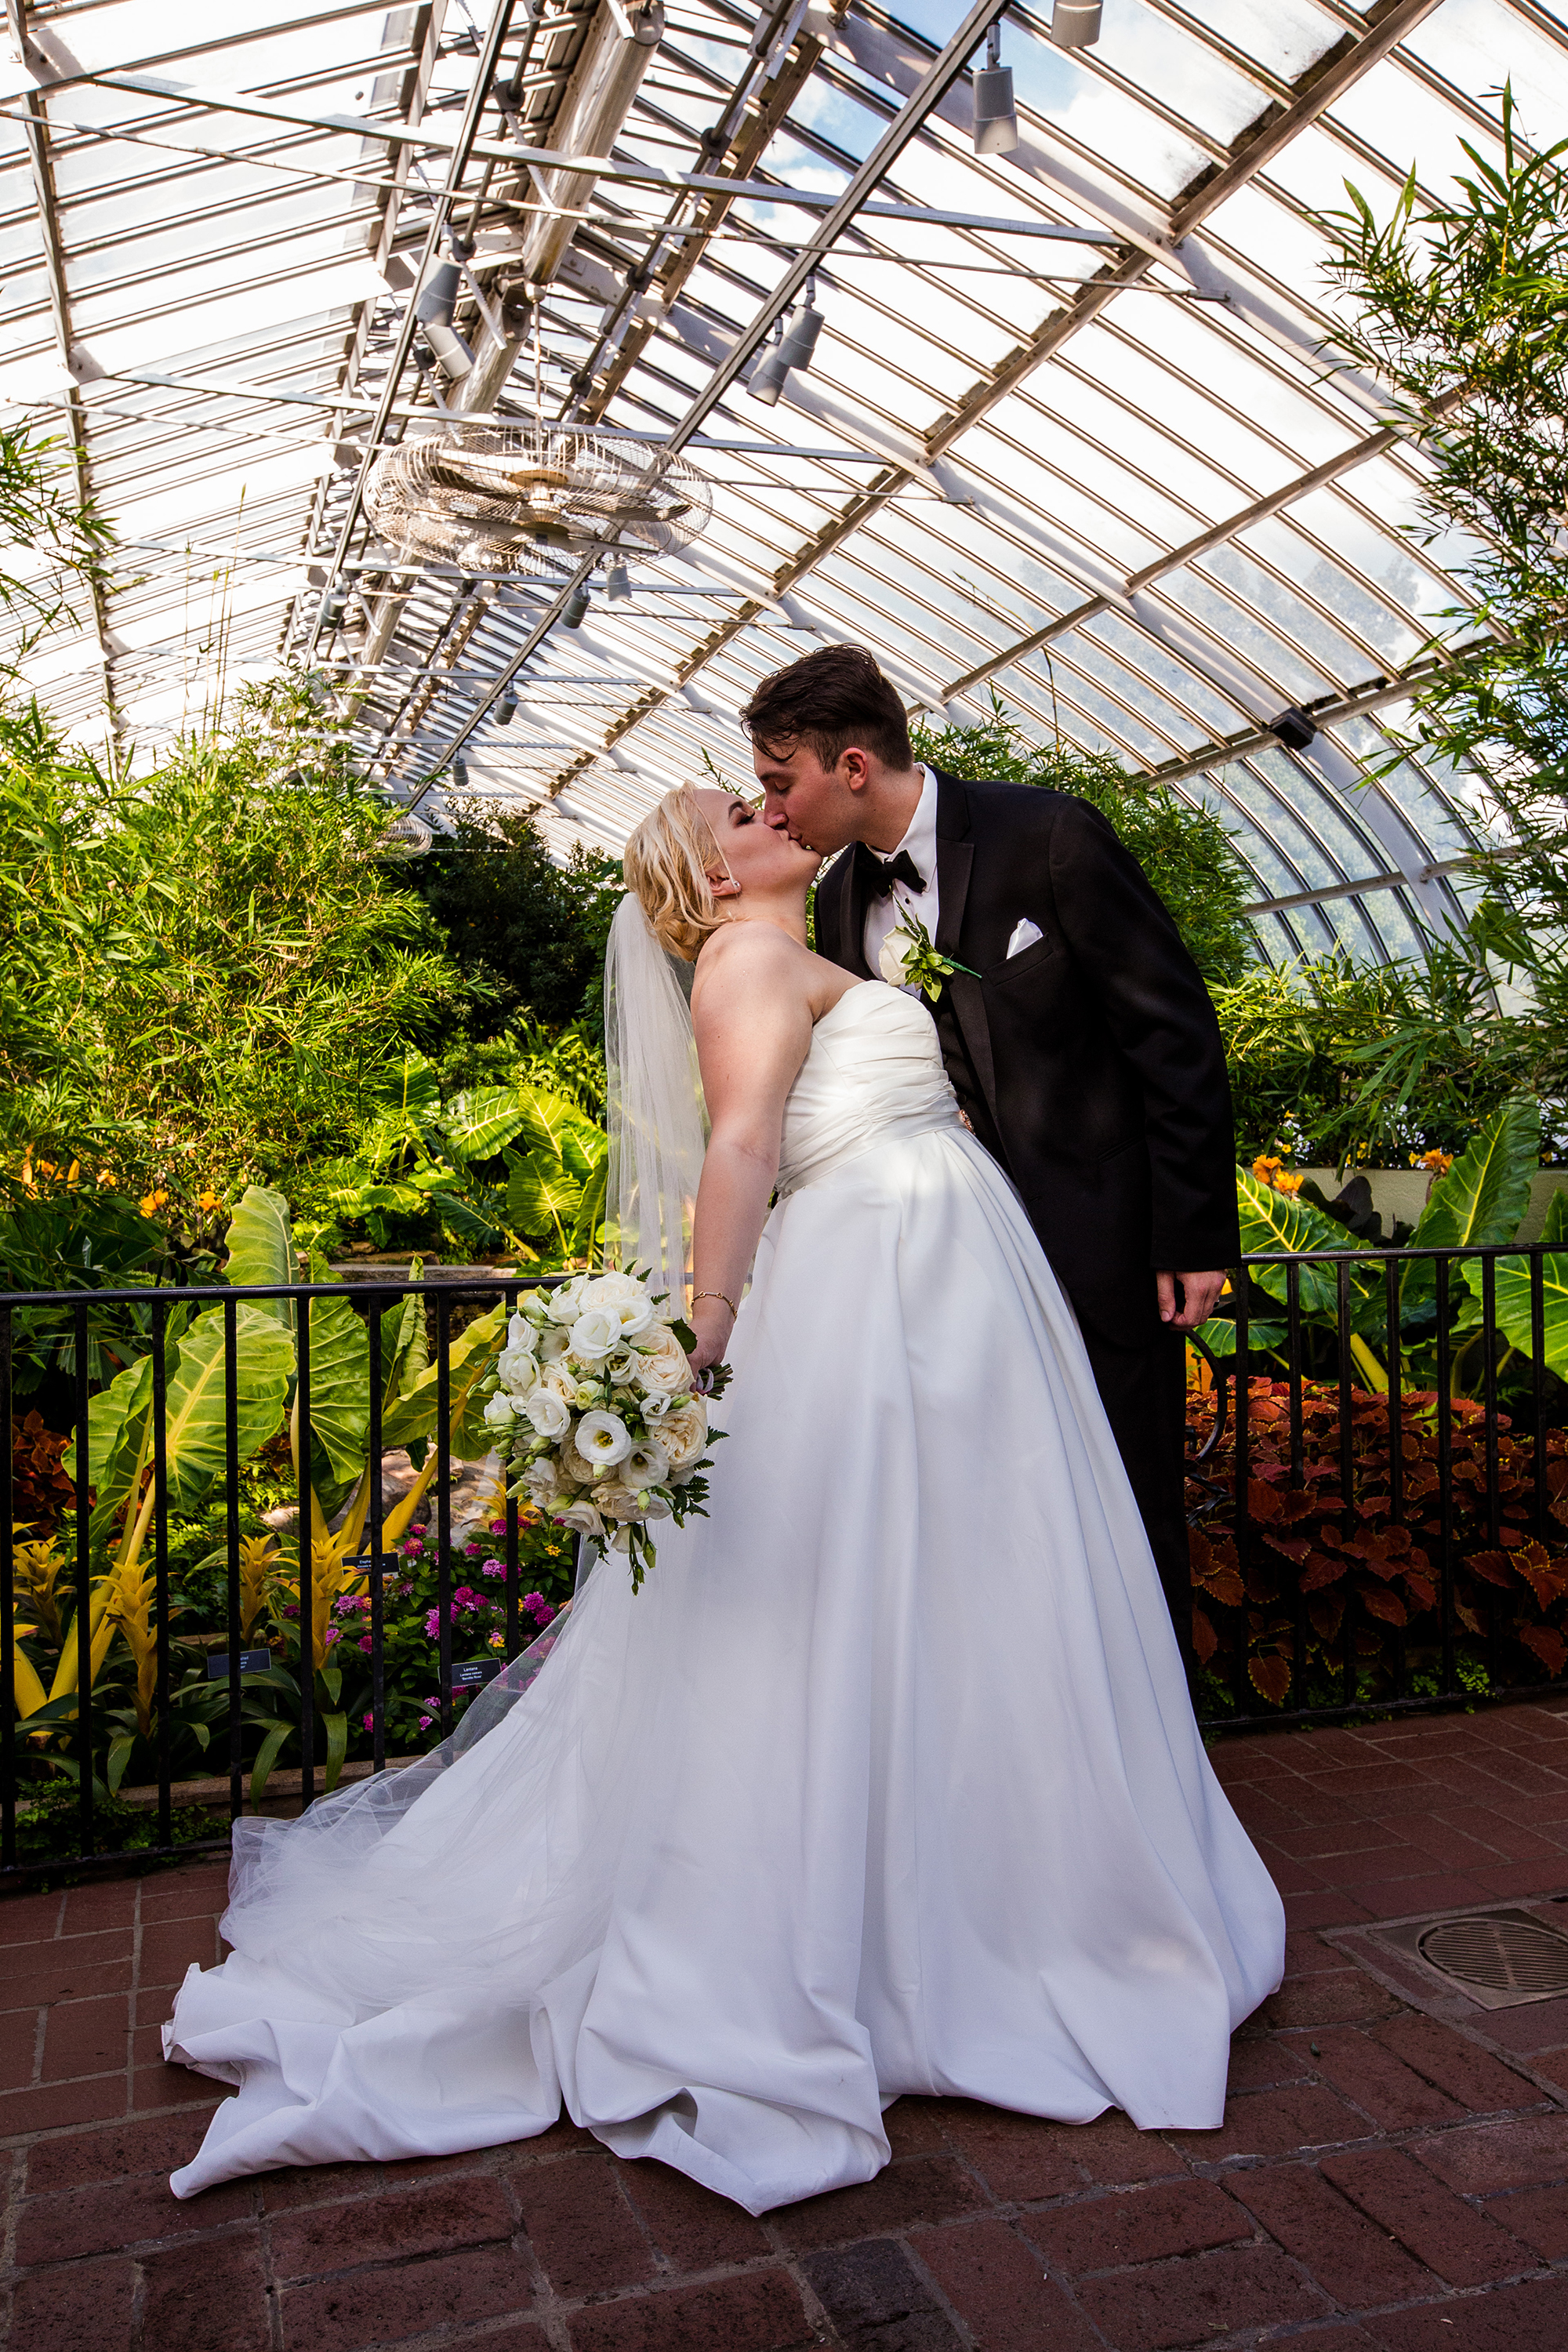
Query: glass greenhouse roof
point(1071, 433)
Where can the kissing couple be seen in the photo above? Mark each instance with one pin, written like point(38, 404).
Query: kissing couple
point(887, 1782)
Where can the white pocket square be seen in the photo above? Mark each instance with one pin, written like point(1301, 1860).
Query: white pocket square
point(1025, 934)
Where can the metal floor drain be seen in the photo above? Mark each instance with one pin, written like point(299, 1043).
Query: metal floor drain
point(1500, 1959)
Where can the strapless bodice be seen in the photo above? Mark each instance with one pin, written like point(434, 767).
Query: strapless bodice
point(873, 1074)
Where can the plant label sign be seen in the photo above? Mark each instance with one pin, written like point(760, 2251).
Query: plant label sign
point(474, 1673)
point(365, 1561)
point(251, 1662)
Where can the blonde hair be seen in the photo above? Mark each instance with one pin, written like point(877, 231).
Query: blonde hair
point(666, 865)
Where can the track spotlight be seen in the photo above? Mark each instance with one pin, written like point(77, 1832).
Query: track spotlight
point(460, 773)
point(576, 611)
point(1075, 24)
point(800, 343)
point(506, 709)
point(995, 115)
point(767, 378)
point(435, 307)
point(617, 584)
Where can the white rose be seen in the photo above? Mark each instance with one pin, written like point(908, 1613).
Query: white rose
point(517, 1370)
point(621, 1291)
point(683, 1434)
point(548, 1412)
point(553, 1343)
point(572, 1466)
point(596, 1334)
point(498, 1412)
point(562, 1381)
point(617, 1502)
point(602, 1438)
point(583, 1516)
point(662, 1366)
point(891, 956)
point(647, 1465)
point(565, 1303)
point(522, 1334)
point(543, 1487)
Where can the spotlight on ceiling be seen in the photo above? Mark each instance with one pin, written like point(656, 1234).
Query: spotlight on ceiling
point(435, 307)
point(576, 611)
point(795, 350)
point(460, 773)
point(1075, 24)
point(617, 584)
point(506, 709)
point(995, 115)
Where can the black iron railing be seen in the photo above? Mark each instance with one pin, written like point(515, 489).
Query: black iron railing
point(1356, 1524)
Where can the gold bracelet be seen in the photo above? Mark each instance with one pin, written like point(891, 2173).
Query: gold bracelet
point(729, 1303)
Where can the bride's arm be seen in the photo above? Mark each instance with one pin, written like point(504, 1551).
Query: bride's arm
point(752, 1019)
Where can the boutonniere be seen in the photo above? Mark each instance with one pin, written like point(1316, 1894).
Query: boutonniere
point(908, 958)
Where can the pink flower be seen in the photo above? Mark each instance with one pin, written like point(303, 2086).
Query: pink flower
point(498, 1526)
point(424, 1722)
point(538, 1608)
point(413, 1548)
point(492, 1567)
point(432, 1624)
point(330, 1635)
point(368, 1722)
point(366, 1644)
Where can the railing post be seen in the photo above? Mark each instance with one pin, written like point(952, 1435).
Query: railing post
point(1241, 1682)
point(161, 1561)
point(377, 1597)
point(84, 1578)
point(8, 1718)
point(1446, 1479)
point(1537, 1384)
point(306, 1620)
point(514, 1630)
point(231, 1488)
point(444, 1503)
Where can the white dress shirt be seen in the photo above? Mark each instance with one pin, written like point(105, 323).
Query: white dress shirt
point(883, 914)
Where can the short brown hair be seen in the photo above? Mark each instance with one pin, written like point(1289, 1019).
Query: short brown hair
point(830, 699)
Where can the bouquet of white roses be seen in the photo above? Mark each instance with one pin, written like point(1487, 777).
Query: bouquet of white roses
point(595, 1402)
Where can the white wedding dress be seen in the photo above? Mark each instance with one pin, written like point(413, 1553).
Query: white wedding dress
point(887, 1782)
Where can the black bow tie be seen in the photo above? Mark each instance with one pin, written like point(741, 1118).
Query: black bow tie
point(880, 873)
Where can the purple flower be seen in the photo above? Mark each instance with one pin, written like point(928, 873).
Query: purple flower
point(330, 1635)
point(368, 1722)
point(498, 1526)
point(432, 1624)
point(424, 1722)
point(469, 1549)
point(492, 1567)
point(539, 1609)
point(366, 1644)
point(290, 1608)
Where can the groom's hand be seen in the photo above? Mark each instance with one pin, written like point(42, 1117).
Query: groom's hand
point(1199, 1292)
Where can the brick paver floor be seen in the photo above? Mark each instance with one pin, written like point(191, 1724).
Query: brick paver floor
point(1389, 2176)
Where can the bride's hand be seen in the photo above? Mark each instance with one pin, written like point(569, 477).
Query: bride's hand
point(711, 1320)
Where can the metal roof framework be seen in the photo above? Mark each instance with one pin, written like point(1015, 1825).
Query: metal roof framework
point(1074, 432)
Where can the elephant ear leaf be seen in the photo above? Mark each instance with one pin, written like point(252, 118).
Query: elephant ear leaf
point(1487, 1191)
point(483, 1120)
point(1279, 1220)
point(340, 1380)
point(1555, 1228)
point(116, 1429)
point(547, 1119)
point(1482, 1198)
point(194, 1439)
point(590, 1213)
point(261, 1249)
point(541, 1196)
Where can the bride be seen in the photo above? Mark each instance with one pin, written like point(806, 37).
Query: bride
point(887, 1781)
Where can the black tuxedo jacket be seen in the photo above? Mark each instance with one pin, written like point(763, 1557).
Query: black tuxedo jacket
point(1090, 1064)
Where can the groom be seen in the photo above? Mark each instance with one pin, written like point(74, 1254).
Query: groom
point(1086, 1055)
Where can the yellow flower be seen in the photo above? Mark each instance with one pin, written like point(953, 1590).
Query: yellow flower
point(1287, 1183)
point(151, 1201)
point(208, 1200)
point(1436, 1163)
point(1265, 1168)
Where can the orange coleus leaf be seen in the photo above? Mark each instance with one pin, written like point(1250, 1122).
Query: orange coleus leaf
point(1467, 1618)
point(1297, 1503)
point(1296, 1547)
point(1378, 1602)
point(1548, 1645)
point(1322, 1569)
point(1422, 1589)
point(1495, 1566)
point(1262, 1502)
point(1547, 1578)
point(1271, 1677)
point(1206, 1641)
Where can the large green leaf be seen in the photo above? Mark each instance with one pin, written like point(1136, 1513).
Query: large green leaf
point(403, 1350)
point(548, 1119)
point(1483, 1196)
point(1555, 1228)
point(481, 1122)
point(340, 1380)
point(541, 1196)
point(472, 1357)
point(591, 1211)
point(409, 1085)
point(1275, 1220)
point(1512, 1297)
point(116, 1425)
point(264, 1362)
point(261, 1249)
